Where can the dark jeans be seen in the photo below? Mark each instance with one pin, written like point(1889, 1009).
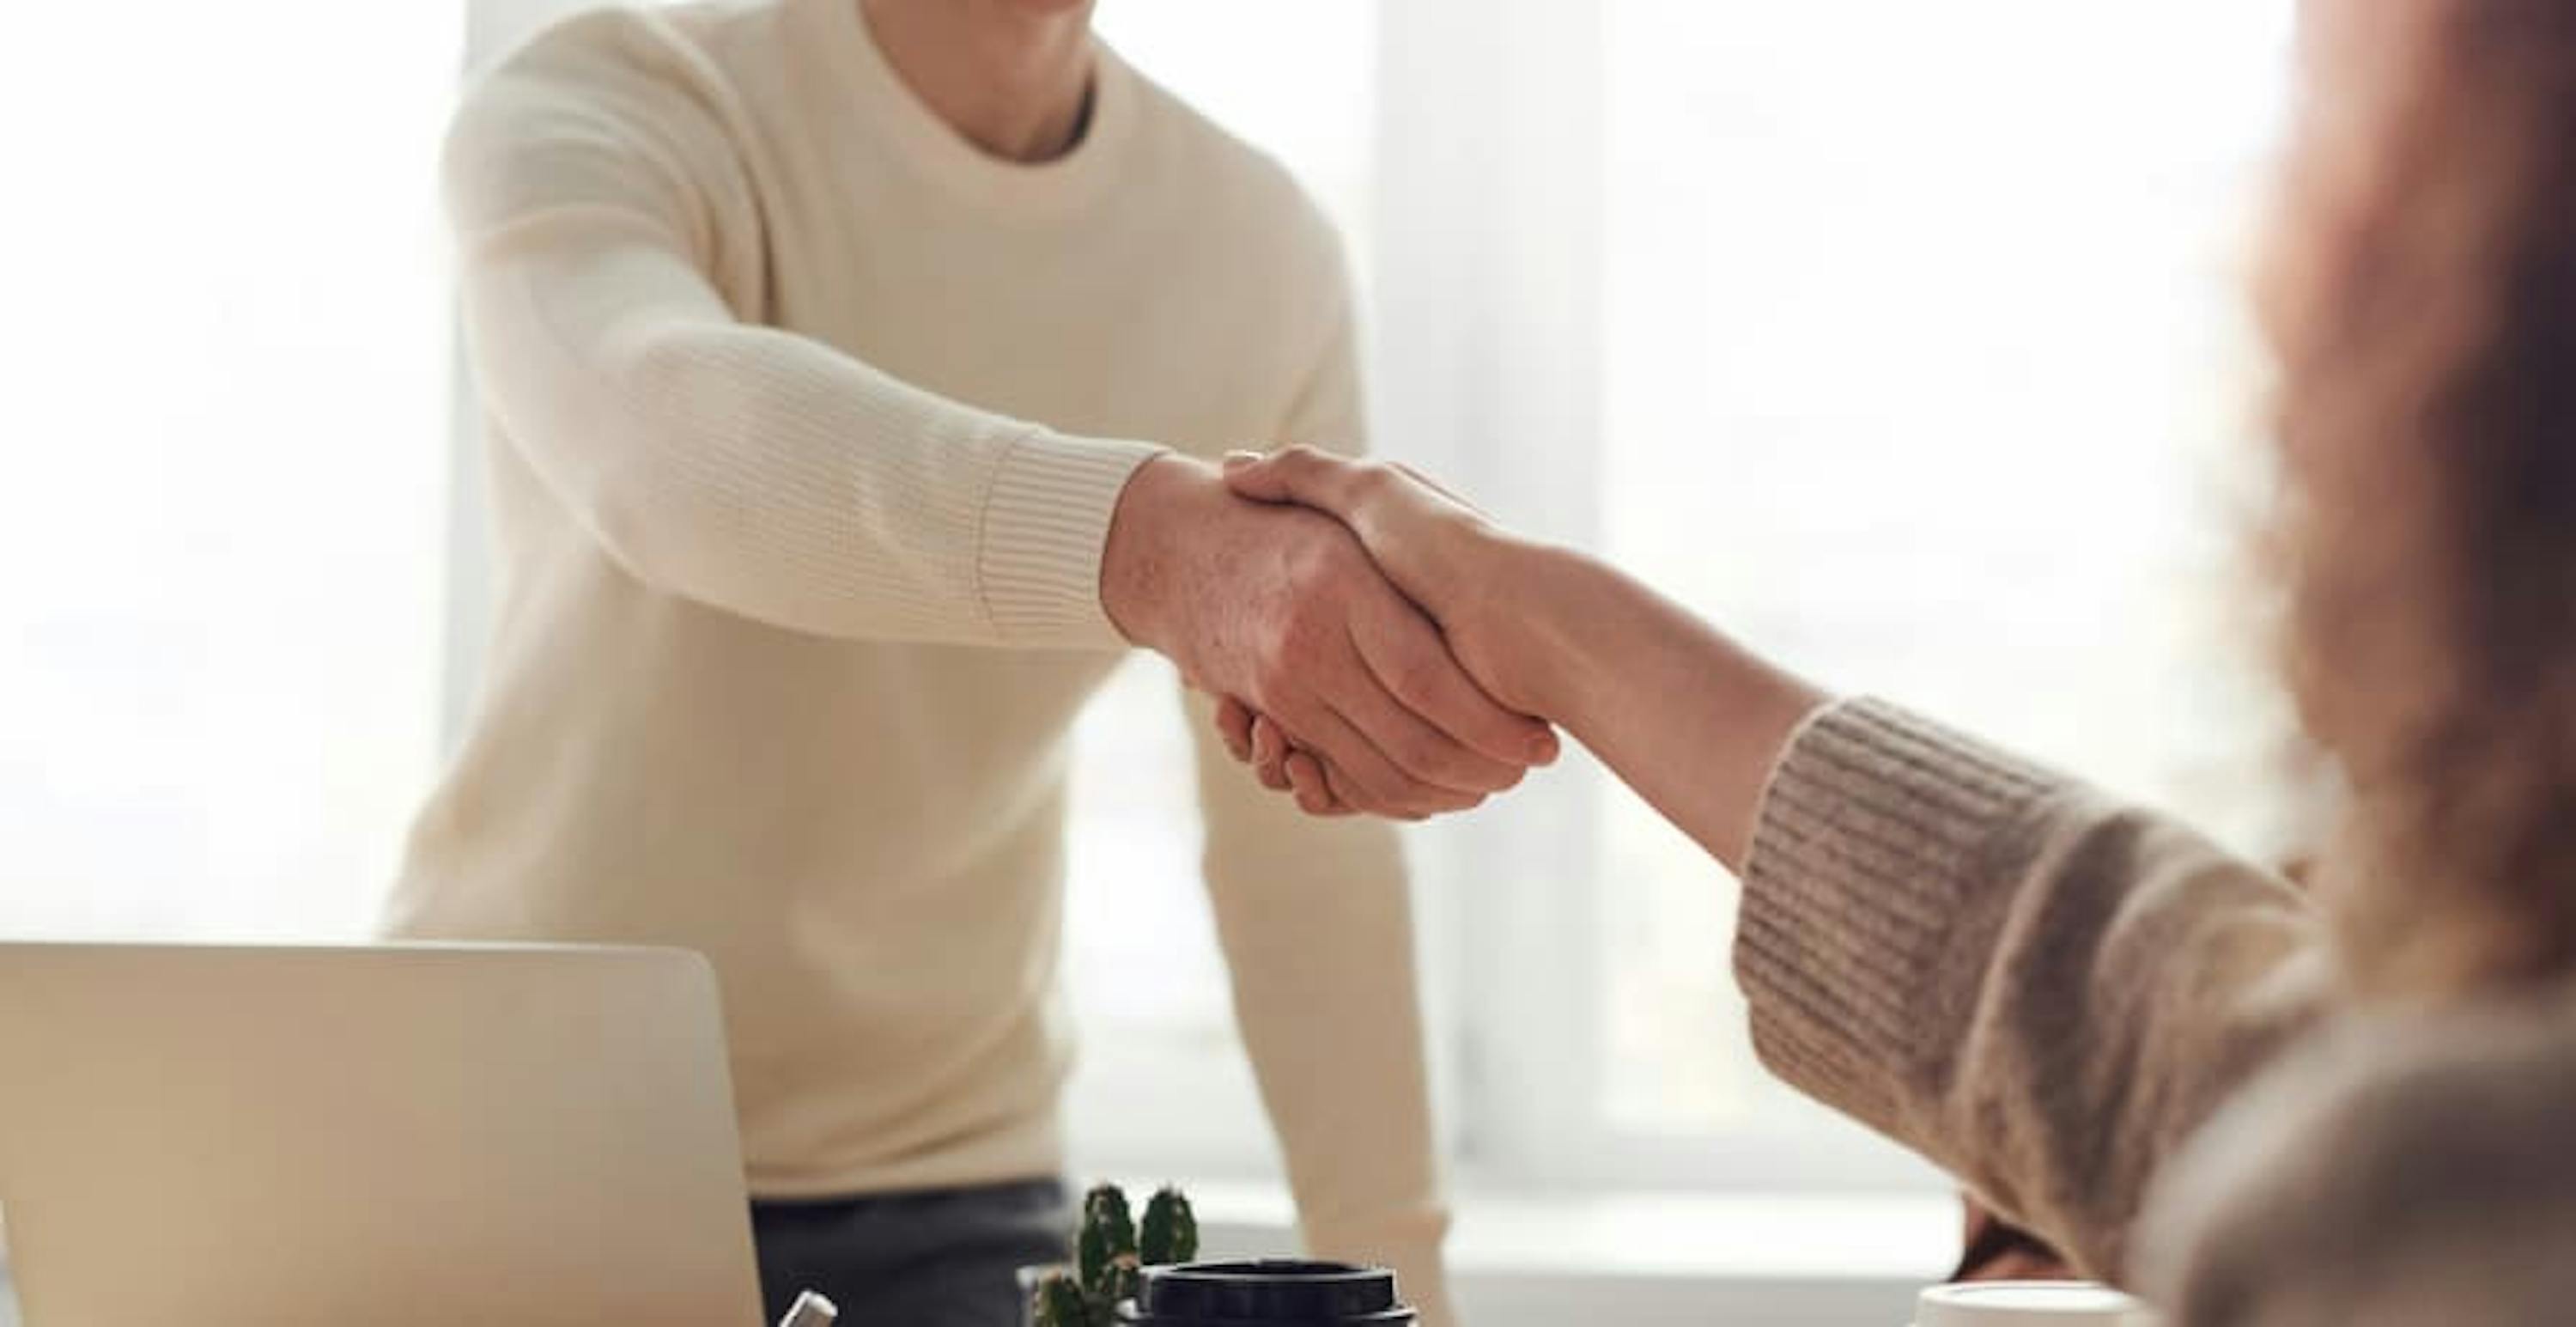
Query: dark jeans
point(945, 1258)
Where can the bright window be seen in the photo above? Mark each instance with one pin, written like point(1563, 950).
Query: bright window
point(1902, 340)
point(222, 538)
point(1925, 366)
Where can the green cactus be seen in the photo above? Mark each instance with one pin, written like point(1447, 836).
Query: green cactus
point(1170, 1231)
point(1105, 1208)
point(1107, 1241)
point(1060, 1303)
point(1108, 1263)
point(1091, 1258)
point(1126, 1282)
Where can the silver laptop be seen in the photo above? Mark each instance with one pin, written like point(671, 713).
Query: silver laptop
point(398, 1136)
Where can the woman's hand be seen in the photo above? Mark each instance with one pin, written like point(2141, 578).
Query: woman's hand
point(1687, 717)
point(1443, 554)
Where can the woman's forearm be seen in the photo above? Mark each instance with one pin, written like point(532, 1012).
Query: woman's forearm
point(1688, 718)
point(1692, 721)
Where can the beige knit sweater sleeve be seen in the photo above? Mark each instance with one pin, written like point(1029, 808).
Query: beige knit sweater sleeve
point(608, 259)
point(2041, 990)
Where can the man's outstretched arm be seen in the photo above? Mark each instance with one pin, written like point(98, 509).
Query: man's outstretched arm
point(602, 217)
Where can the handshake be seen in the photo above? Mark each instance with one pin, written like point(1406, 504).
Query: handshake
point(1354, 620)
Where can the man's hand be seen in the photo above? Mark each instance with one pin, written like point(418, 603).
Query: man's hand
point(1441, 552)
point(1280, 608)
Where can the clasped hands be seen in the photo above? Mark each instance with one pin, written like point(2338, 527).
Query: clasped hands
point(1350, 618)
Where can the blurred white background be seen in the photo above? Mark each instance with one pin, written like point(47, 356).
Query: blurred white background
point(1902, 339)
point(223, 510)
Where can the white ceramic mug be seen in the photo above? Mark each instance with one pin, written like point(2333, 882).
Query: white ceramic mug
point(2029, 1304)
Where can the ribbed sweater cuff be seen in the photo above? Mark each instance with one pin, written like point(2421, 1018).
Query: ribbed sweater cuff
point(1872, 842)
point(1045, 520)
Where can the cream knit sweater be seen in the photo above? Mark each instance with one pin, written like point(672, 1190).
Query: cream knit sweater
point(807, 424)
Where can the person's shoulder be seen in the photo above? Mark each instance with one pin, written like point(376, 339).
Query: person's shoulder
point(601, 43)
point(624, 58)
point(1236, 189)
point(2398, 1165)
point(625, 91)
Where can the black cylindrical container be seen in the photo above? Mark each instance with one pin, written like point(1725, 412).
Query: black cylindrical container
point(1251, 1294)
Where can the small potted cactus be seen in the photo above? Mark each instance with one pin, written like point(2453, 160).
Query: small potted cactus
point(1110, 1252)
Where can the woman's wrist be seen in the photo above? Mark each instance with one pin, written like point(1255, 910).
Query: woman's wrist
point(1686, 715)
point(1545, 603)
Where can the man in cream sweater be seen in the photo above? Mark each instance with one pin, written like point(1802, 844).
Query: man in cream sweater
point(849, 366)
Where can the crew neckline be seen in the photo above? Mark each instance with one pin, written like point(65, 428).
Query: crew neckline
point(861, 72)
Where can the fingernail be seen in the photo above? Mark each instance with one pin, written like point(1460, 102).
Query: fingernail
point(1236, 460)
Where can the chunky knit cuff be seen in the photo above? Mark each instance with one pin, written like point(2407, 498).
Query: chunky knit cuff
point(1869, 854)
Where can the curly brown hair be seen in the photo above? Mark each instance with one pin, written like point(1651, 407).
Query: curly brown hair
point(2420, 292)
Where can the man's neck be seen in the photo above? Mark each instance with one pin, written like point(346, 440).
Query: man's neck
point(1014, 80)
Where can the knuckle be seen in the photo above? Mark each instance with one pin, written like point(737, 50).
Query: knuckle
point(1323, 562)
point(1314, 622)
point(1285, 653)
point(1267, 684)
point(1424, 755)
point(1307, 636)
point(1415, 676)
